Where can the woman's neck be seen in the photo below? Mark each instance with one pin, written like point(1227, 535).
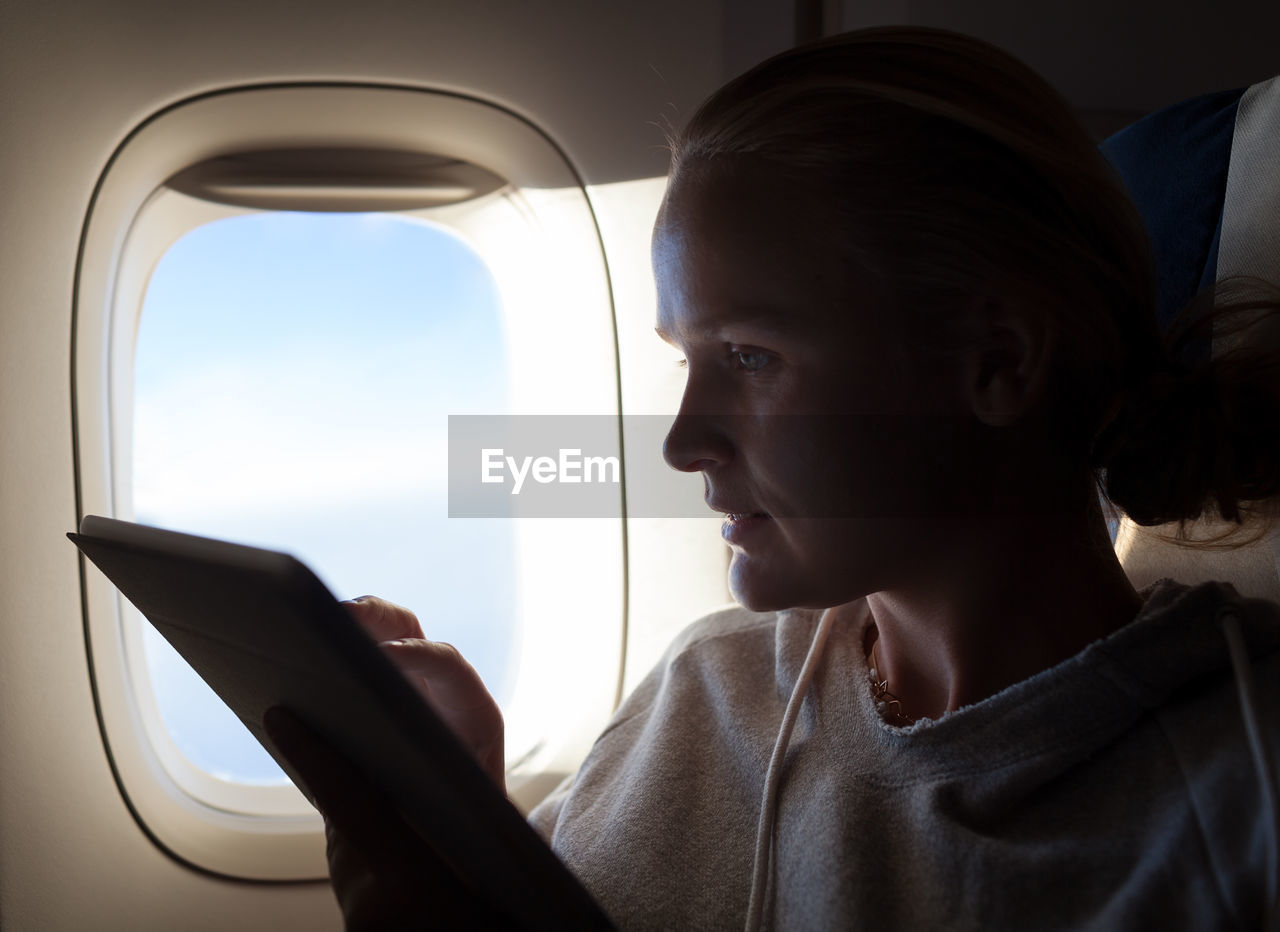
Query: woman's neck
point(1007, 602)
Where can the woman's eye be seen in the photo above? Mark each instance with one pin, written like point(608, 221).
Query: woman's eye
point(751, 360)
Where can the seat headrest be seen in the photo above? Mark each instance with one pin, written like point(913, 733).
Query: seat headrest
point(1206, 180)
point(1174, 164)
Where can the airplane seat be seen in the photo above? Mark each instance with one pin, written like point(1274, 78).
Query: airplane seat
point(1205, 178)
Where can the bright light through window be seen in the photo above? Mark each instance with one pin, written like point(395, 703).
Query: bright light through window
point(293, 377)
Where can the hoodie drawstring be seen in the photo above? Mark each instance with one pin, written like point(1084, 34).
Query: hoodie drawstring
point(769, 804)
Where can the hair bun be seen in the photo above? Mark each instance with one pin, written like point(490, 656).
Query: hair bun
point(1168, 452)
point(1195, 438)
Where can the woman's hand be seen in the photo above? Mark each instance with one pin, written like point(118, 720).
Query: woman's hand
point(450, 684)
point(384, 874)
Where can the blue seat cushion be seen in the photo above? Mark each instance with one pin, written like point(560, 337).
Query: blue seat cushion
point(1174, 163)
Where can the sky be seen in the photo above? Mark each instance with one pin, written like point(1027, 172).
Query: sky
point(292, 382)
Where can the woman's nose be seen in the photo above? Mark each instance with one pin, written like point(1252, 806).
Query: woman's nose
point(698, 439)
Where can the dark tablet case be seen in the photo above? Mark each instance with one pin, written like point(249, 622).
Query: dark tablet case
point(262, 630)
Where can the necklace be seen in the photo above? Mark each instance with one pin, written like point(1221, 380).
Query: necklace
point(885, 700)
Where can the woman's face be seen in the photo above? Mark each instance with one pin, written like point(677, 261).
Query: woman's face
point(819, 433)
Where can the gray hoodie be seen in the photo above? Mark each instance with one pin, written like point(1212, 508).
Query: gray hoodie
point(1115, 790)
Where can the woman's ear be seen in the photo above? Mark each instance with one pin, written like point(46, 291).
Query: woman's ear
point(1005, 368)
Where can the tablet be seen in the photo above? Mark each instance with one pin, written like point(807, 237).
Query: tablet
point(262, 630)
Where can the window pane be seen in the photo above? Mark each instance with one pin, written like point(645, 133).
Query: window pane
point(293, 377)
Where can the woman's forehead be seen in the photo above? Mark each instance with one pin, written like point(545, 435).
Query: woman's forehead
point(740, 188)
point(737, 242)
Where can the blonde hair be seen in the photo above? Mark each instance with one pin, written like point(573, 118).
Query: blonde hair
point(952, 170)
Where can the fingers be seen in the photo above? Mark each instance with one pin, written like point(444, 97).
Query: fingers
point(450, 684)
point(383, 620)
point(458, 695)
point(451, 681)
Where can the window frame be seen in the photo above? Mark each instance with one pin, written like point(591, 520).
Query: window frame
point(126, 232)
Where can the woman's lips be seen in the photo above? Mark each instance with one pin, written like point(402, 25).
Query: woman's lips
point(739, 526)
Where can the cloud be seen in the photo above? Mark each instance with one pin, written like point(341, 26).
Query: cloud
point(243, 438)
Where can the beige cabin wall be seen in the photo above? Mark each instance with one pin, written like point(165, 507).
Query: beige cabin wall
point(75, 79)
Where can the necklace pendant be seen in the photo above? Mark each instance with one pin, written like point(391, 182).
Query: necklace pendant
point(886, 700)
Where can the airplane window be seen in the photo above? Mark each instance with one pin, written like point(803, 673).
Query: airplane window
point(292, 381)
point(285, 298)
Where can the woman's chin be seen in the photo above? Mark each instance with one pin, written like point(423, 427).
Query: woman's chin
point(767, 586)
point(757, 589)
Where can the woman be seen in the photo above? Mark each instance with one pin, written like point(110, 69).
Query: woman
point(917, 314)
